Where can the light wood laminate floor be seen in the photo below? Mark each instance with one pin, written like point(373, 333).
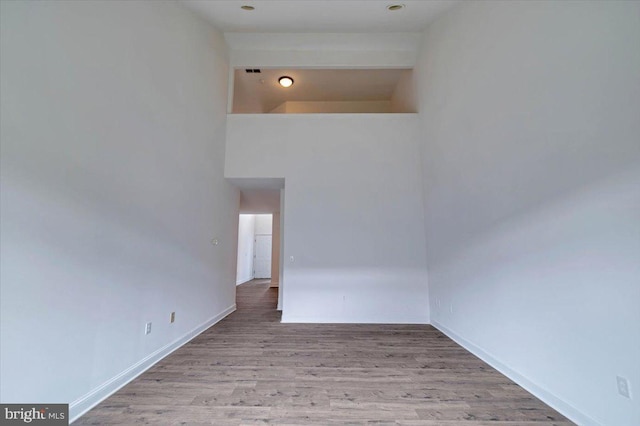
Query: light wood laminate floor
point(250, 369)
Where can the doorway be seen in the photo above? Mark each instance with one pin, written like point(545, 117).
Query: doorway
point(255, 248)
point(261, 196)
point(262, 257)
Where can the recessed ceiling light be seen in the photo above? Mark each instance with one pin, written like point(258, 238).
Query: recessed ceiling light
point(285, 81)
point(247, 7)
point(395, 6)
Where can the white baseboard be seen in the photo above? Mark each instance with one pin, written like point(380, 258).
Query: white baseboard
point(242, 281)
point(544, 395)
point(345, 320)
point(86, 402)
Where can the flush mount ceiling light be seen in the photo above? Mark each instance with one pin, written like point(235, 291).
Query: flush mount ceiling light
point(247, 7)
point(393, 7)
point(285, 81)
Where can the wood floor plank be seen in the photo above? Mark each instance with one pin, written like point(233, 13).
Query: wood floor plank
point(250, 369)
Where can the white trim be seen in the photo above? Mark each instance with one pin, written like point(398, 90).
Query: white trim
point(230, 89)
point(314, 42)
point(291, 319)
point(86, 402)
point(396, 59)
point(539, 392)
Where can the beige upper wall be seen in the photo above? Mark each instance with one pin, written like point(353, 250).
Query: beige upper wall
point(319, 107)
point(404, 98)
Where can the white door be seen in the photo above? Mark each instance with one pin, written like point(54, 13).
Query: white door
point(262, 258)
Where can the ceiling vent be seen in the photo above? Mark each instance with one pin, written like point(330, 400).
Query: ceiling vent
point(253, 71)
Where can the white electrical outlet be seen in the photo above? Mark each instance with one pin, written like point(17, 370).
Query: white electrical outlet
point(147, 328)
point(623, 387)
point(451, 308)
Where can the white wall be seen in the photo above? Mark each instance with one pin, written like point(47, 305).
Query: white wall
point(531, 150)
point(353, 216)
point(246, 235)
point(113, 126)
point(264, 224)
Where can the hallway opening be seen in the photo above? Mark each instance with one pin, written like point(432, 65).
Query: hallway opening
point(258, 249)
point(261, 232)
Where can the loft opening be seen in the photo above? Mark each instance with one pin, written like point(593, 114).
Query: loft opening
point(260, 91)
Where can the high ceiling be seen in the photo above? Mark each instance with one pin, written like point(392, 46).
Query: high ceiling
point(313, 16)
point(321, 16)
